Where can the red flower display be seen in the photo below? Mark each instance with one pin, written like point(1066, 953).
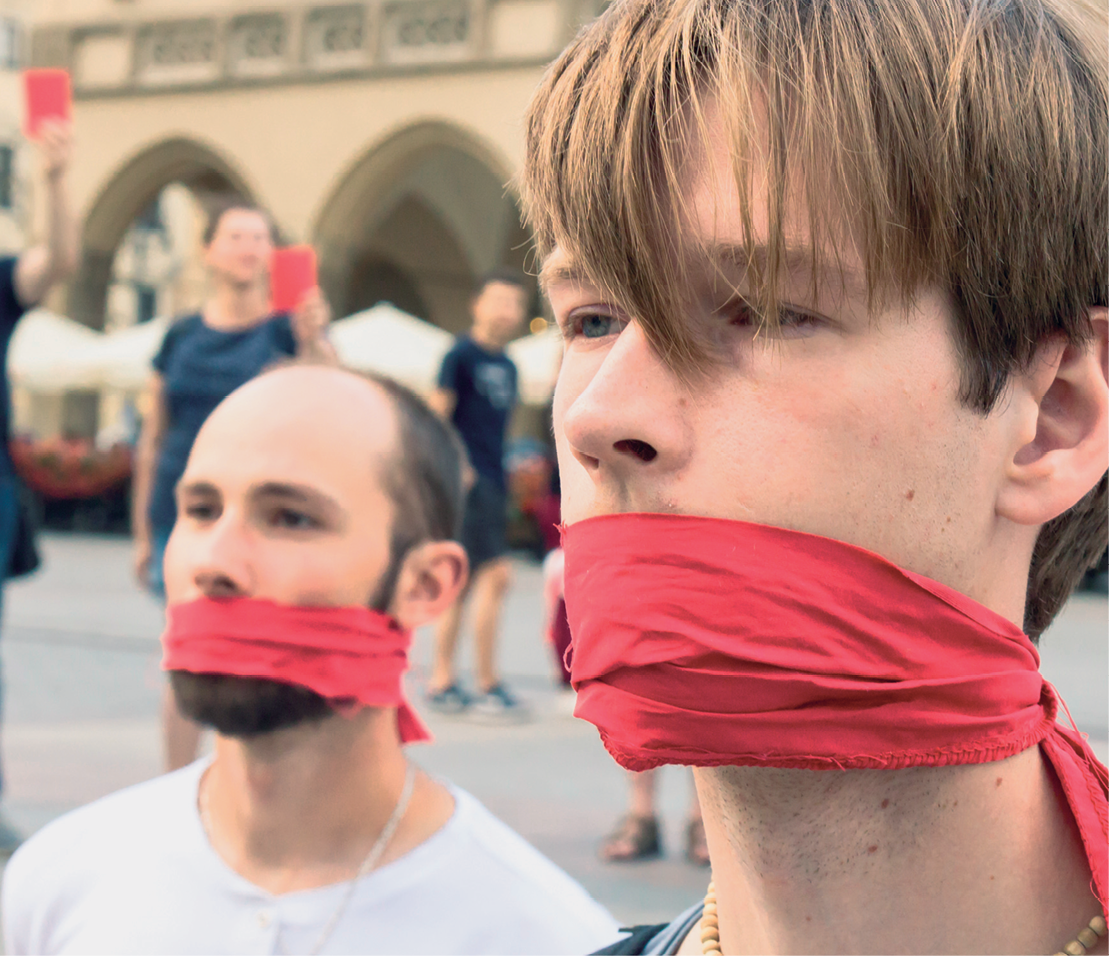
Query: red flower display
point(70, 468)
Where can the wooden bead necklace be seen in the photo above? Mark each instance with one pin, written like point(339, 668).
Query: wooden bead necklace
point(710, 931)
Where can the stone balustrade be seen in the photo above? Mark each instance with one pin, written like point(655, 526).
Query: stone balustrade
point(305, 42)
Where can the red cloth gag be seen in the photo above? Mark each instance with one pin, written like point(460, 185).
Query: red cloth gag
point(709, 642)
point(346, 654)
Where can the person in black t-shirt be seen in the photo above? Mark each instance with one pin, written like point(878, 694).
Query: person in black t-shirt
point(203, 359)
point(477, 393)
point(24, 282)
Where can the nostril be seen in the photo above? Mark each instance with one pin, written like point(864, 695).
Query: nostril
point(633, 446)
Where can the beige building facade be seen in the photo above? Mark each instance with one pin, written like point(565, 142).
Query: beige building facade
point(16, 163)
point(386, 133)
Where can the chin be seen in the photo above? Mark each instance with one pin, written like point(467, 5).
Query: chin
point(245, 278)
point(246, 707)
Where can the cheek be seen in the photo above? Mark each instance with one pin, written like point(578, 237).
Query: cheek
point(877, 458)
point(327, 574)
point(577, 485)
point(176, 566)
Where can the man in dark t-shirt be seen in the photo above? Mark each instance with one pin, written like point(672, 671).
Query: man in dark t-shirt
point(24, 282)
point(477, 393)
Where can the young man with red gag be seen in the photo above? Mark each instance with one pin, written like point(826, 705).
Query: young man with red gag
point(315, 523)
point(832, 429)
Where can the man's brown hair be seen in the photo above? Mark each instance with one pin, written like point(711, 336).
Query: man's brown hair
point(955, 143)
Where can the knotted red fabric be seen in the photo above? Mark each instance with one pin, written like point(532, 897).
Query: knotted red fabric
point(350, 655)
point(708, 642)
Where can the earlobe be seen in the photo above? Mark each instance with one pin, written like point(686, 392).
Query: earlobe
point(430, 581)
point(1063, 445)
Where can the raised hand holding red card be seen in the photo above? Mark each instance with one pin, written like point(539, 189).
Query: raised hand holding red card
point(47, 96)
point(293, 273)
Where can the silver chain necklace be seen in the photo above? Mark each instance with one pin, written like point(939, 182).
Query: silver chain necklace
point(368, 864)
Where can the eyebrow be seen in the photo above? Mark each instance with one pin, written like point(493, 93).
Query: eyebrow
point(302, 494)
point(797, 259)
point(196, 488)
point(559, 270)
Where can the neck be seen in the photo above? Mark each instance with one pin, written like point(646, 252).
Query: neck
point(302, 807)
point(486, 339)
point(233, 306)
point(824, 861)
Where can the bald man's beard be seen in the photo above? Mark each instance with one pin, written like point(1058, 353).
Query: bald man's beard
point(246, 707)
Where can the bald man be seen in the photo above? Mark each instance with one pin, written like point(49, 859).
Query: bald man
point(315, 529)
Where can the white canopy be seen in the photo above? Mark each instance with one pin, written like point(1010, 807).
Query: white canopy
point(391, 342)
point(538, 359)
point(49, 353)
point(122, 359)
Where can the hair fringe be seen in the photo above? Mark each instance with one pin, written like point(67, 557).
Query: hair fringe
point(954, 143)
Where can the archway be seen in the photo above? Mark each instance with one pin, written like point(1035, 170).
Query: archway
point(414, 221)
point(129, 192)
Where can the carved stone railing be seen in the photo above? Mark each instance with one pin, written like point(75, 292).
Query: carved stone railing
point(427, 30)
point(257, 45)
point(177, 52)
point(305, 41)
point(337, 38)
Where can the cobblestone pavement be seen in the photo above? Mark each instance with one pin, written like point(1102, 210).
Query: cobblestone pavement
point(81, 657)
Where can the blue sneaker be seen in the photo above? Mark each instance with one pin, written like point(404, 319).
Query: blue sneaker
point(498, 704)
point(450, 700)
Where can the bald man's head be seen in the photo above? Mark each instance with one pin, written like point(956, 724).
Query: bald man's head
point(309, 485)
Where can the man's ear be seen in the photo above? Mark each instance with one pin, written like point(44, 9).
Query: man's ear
point(430, 581)
point(1061, 442)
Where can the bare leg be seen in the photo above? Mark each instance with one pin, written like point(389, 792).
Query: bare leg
point(180, 736)
point(446, 643)
point(641, 788)
point(491, 584)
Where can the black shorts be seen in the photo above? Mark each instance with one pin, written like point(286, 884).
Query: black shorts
point(485, 523)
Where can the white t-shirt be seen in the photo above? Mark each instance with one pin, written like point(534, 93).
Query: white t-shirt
point(134, 873)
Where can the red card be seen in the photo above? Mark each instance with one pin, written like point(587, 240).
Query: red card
point(292, 274)
point(47, 96)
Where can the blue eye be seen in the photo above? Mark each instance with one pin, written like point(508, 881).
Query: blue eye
point(597, 326)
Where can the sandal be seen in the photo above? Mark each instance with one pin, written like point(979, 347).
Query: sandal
point(635, 838)
point(696, 846)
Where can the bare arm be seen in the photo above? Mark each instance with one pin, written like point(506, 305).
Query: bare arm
point(309, 323)
point(146, 458)
point(443, 401)
point(55, 260)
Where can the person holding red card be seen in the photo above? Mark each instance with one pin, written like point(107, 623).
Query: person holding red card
point(203, 358)
point(24, 282)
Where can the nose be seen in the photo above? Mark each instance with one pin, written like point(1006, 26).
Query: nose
point(630, 418)
point(220, 562)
